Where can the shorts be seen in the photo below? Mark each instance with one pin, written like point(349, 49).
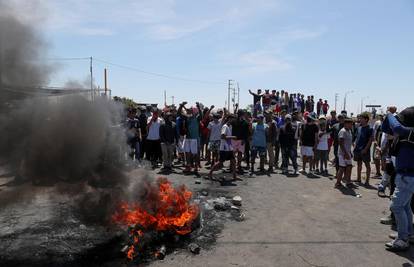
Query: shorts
point(344, 162)
point(237, 146)
point(321, 155)
point(376, 154)
point(306, 151)
point(358, 156)
point(191, 146)
point(226, 155)
point(180, 145)
point(214, 146)
point(262, 151)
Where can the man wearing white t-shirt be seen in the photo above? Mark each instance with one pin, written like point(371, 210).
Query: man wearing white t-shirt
point(153, 139)
point(214, 137)
point(226, 148)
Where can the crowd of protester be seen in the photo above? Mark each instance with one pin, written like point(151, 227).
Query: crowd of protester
point(279, 125)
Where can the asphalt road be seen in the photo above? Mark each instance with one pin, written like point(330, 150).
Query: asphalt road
point(297, 221)
point(293, 221)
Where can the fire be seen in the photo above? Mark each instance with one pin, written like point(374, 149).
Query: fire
point(165, 209)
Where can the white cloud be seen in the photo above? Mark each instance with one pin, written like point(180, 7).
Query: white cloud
point(156, 19)
point(171, 32)
point(262, 61)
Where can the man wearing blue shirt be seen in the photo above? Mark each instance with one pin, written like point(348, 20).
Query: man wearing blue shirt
point(362, 151)
point(401, 127)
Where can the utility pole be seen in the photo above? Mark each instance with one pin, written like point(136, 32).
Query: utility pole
point(228, 94)
point(238, 95)
point(165, 98)
point(346, 94)
point(172, 100)
point(106, 82)
point(336, 101)
point(91, 70)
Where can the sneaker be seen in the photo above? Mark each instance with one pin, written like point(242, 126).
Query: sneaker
point(381, 193)
point(295, 172)
point(317, 171)
point(395, 236)
point(303, 171)
point(397, 245)
point(387, 220)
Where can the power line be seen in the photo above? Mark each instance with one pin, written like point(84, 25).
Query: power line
point(68, 58)
point(156, 74)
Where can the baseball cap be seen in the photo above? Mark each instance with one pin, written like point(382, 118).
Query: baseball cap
point(406, 117)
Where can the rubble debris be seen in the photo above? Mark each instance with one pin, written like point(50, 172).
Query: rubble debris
point(194, 248)
point(162, 251)
point(237, 200)
point(197, 181)
point(204, 192)
point(240, 217)
point(235, 208)
point(221, 204)
point(124, 249)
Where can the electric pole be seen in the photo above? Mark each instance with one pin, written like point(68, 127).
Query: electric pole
point(228, 94)
point(91, 70)
point(106, 82)
point(336, 101)
point(346, 94)
point(238, 95)
point(165, 98)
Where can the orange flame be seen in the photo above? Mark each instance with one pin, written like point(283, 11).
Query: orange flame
point(170, 210)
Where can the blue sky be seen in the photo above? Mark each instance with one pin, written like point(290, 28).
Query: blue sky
point(317, 47)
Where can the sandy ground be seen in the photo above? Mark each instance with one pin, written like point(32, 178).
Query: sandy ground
point(294, 221)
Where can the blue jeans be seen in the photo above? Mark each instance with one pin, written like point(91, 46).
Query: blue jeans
point(290, 152)
point(400, 205)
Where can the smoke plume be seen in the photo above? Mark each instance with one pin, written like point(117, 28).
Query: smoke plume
point(51, 139)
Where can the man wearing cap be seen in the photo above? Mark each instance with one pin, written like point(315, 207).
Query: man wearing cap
point(321, 154)
point(401, 127)
point(308, 142)
point(344, 154)
point(240, 129)
point(153, 138)
point(226, 149)
point(288, 145)
point(257, 97)
point(133, 134)
point(272, 138)
point(168, 138)
point(258, 143)
point(362, 151)
point(192, 136)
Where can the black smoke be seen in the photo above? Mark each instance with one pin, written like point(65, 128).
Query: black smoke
point(51, 139)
